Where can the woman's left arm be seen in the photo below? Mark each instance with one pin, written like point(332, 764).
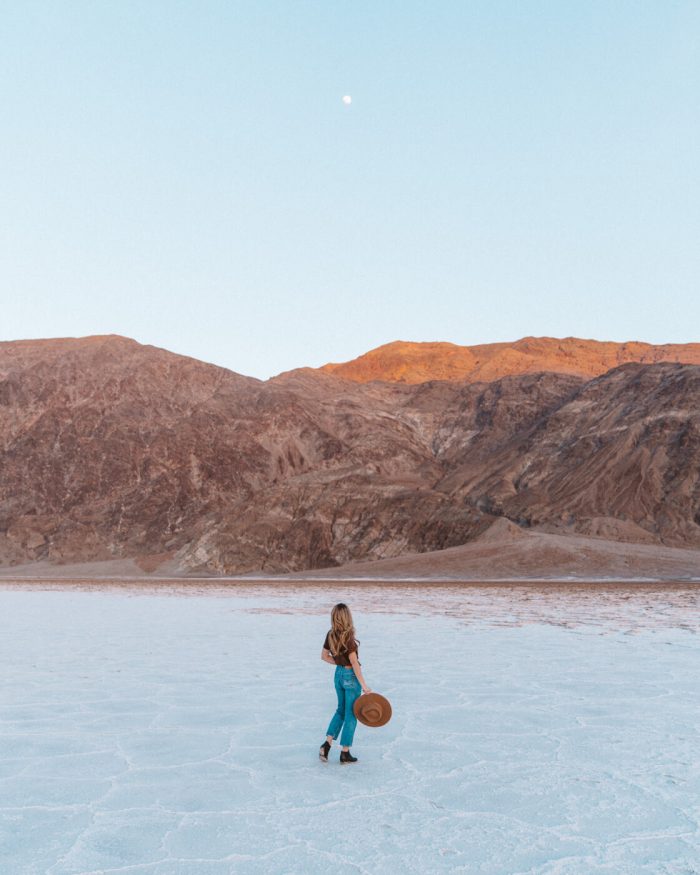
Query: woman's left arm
point(326, 656)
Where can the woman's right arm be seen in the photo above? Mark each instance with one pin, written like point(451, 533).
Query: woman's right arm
point(355, 663)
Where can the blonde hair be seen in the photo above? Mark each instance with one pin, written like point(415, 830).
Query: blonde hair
point(342, 629)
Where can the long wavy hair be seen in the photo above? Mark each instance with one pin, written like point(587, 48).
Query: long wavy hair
point(342, 629)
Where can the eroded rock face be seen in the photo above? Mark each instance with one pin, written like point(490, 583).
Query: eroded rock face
point(112, 449)
point(620, 458)
point(107, 443)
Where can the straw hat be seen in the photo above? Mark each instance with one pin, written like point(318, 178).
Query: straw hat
point(372, 709)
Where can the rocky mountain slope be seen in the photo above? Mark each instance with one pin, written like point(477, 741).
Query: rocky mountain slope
point(418, 362)
point(110, 450)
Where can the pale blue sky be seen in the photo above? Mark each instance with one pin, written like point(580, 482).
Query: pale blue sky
point(185, 173)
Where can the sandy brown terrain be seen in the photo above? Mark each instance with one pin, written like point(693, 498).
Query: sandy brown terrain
point(503, 552)
point(109, 569)
point(507, 553)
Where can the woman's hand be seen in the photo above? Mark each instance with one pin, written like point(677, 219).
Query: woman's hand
point(366, 690)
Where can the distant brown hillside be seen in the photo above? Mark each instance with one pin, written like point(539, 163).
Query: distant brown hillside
point(111, 451)
point(404, 362)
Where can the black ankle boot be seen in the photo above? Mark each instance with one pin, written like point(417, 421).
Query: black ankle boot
point(323, 751)
point(347, 757)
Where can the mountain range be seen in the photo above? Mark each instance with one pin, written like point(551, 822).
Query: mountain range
point(110, 449)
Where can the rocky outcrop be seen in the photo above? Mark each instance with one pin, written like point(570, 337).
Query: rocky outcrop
point(112, 450)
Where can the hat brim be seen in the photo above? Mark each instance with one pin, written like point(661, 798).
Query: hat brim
point(372, 709)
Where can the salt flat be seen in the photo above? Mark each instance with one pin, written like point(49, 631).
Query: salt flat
point(173, 730)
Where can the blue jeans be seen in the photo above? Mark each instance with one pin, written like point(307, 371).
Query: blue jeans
point(348, 689)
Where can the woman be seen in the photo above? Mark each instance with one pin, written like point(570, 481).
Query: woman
point(340, 649)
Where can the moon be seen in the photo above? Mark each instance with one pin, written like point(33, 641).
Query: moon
point(347, 100)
